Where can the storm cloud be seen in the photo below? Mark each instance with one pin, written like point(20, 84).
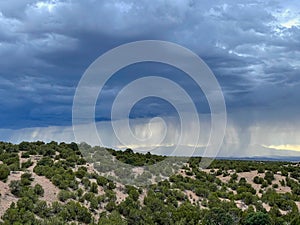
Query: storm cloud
point(253, 48)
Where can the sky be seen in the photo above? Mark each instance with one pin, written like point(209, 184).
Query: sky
point(252, 47)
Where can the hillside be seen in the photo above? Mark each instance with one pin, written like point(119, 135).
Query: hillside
point(51, 183)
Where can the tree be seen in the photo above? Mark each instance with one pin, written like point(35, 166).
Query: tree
point(258, 180)
point(269, 176)
point(94, 204)
point(64, 195)
point(234, 176)
point(81, 172)
point(202, 192)
point(4, 171)
point(38, 189)
point(102, 181)
point(15, 187)
point(24, 146)
point(132, 192)
point(41, 209)
point(296, 220)
point(94, 188)
point(110, 206)
point(26, 164)
point(26, 179)
point(113, 219)
point(26, 203)
point(77, 212)
point(217, 216)
point(188, 212)
point(257, 218)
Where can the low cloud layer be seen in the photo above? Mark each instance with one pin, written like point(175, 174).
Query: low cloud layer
point(251, 141)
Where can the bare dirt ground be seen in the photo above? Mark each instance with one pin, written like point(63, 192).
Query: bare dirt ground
point(119, 190)
point(206, 170)
point(241, 205)
point(267, 207)
point(249, 176)
point(298, 205)
point(50, 190)
point(183, 173)
point(6, 197)
point(192, 196)
point(100, 188)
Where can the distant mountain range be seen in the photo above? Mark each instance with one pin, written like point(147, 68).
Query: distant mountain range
point(253, 152)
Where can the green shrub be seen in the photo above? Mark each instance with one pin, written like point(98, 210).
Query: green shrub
point(258, 180)
point(257, 218)
point(4, 171)
point(38, 189)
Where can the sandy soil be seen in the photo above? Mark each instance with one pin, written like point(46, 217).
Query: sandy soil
point(22, 159)
point(138, 170)
point(50, 191)
point(6, 197)
point(249, 178)
point(183, 173)
point(250, 175)
point(280, 188)
point(192, 196)
point(224, 199)
point(241, 205)
point(119, 190)
point(298, 204)
point(224, 179)
point(268, 208)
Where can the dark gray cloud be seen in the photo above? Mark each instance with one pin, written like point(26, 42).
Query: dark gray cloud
point(45, 46)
